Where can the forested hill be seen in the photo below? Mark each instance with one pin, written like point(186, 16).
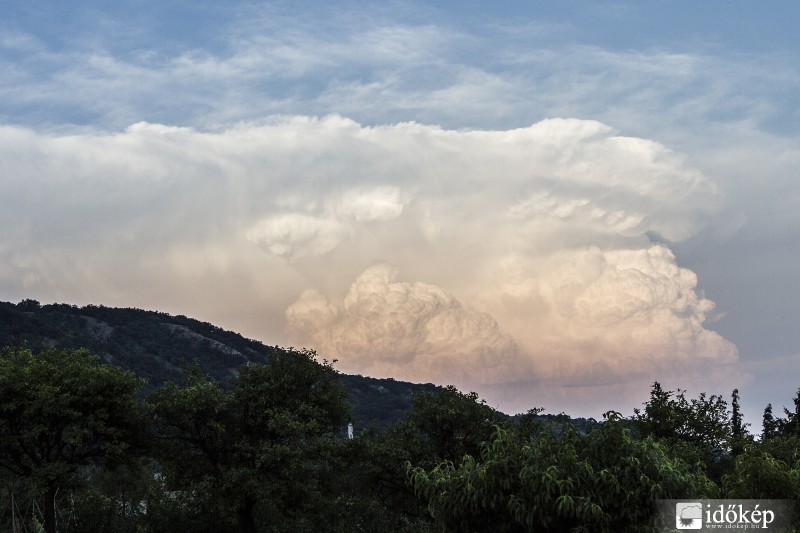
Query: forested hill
point(156, 345)
point(266, 453)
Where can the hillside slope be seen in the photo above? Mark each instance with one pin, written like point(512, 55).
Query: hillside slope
point(155, 345)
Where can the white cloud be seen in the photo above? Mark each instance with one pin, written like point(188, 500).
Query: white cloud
point(413, 331)
point(296, 235)
point(522, 255)
point(493, 216)
point(381, 203)
point(637, 307)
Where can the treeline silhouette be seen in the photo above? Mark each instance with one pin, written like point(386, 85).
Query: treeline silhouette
point(156, 346)
point(86, 445)
point(80, 450)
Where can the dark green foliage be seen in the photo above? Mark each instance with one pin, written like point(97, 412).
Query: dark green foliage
point(783, 427)
point(767, 470)
point(443, 424)
point(790, 426)
point(112, 499)
point(20, 326)
point(238, 436)
point(60, 411)
point(669, 415)
point(153, 345)
point(698, 430)
point(156, 346)
point(370, 486)
point(739, 435)
point(378, 403)
point(758, 474)
point(603, 481)
point(451, 424)
point(769, 424)
point(254, 454)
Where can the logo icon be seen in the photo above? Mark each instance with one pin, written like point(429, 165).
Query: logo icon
point(689, 515)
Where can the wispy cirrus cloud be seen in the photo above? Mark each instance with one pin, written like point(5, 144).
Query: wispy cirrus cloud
point(382, 67)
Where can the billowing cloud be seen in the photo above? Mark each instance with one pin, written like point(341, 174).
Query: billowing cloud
point(294, 235)
point(635, 309)
point(414, 331)
point(538, 257)
point(562, 232)
point(297, 235)
point(381, 203)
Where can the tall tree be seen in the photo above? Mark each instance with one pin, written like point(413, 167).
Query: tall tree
point(451, 423)
point(696, 429)
point(61, 410)
point(738, 427)
point(670, 415)
point(768, 423)
point(791, 425)
point(257, 449)
point(443, 424)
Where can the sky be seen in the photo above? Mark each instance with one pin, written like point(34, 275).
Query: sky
point(550, 204)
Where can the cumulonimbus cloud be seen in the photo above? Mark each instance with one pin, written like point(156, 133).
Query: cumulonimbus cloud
point(477, 257)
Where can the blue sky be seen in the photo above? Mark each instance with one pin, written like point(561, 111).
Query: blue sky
point(549, 203)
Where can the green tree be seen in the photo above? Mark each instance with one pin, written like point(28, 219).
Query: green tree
point(374, 494)
point(254, 454)
point(603, 481)
point(114, 499)
point(790, 426)
point(782, 427)
point(451, 424)
point(739, 435)
point(758, 474)
point(369, 481)
point(59, 411)
point(768, 424)
point(669, 415)
point(696, 430)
